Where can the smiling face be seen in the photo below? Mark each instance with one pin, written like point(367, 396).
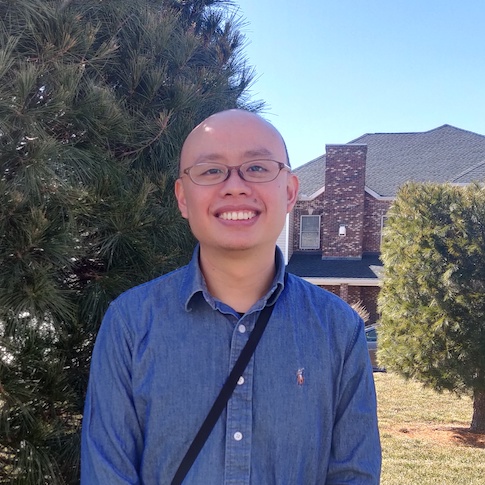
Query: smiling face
point(235, 214)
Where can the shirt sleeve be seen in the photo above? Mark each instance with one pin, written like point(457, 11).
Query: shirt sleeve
point(111, 436)
point(356, 450)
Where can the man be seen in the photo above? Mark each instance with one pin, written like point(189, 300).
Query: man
point(304, 410)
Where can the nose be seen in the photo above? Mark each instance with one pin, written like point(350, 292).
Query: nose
point(235, 184)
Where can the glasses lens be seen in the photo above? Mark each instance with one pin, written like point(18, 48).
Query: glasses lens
point(260, 170)
point(208, 173)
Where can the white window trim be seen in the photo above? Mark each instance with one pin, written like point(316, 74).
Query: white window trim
point(318, 233)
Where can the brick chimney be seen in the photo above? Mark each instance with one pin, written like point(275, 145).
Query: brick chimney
point(343, 202)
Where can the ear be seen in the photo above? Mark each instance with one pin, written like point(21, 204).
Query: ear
point(181, 200)
point(292, 191)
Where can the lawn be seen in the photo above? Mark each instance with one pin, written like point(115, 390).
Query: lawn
point(424, 435)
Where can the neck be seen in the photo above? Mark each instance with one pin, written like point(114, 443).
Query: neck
point(238, 279)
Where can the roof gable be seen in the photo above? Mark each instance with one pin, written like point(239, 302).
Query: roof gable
point(444, 154)
point(311, 176)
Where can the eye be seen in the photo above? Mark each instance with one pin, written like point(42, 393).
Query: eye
point(208, 170)
point(256, 167)
point(212, 171)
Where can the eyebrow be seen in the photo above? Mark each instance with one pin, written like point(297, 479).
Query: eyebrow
point(251, 154)
point(260, 152)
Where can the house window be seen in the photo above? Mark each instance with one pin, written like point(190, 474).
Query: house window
point(310, 232)
point(383, 225)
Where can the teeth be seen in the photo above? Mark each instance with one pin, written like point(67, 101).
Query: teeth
point(237, 216)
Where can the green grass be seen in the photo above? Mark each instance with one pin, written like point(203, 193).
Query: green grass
point(424, 436)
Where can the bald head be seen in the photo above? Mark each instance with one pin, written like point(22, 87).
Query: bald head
point(229, 131)
point(234, 213)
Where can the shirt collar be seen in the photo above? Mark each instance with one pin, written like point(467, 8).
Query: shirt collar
point(194, 283)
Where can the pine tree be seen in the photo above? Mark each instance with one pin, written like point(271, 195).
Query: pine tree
point(96, 98)
point(432, 300)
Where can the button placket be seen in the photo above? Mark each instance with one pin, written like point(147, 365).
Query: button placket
point(239, 415)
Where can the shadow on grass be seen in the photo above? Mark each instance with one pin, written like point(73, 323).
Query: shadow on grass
point(445, 435)
point(466, 437)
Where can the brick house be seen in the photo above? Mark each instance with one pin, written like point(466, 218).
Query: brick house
point(333, 234)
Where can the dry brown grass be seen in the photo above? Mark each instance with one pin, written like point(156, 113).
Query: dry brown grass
point(425, 436)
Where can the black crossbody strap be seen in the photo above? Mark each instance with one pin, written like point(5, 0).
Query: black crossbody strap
point(223, 397)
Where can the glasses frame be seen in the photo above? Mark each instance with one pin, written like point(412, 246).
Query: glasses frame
point(237, 168)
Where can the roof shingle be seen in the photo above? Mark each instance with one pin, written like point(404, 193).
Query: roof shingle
point(444, 154)
point(312, 265)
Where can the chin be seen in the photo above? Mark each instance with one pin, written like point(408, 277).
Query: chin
point(237, 246)
point(232, 245)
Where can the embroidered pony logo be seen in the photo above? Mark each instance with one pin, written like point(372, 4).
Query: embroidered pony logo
point(300, 379)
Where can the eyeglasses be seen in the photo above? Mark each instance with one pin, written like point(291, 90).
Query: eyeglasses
point(256, 171)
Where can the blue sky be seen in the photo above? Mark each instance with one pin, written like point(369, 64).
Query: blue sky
point(331, 71)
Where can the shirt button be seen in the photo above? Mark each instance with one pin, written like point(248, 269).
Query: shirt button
point(238, 436)
point(241, 328)
point(240, 381)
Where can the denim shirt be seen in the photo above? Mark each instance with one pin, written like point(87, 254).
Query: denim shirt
point(303, 412)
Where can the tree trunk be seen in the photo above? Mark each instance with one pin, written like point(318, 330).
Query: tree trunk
point(478, 420)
